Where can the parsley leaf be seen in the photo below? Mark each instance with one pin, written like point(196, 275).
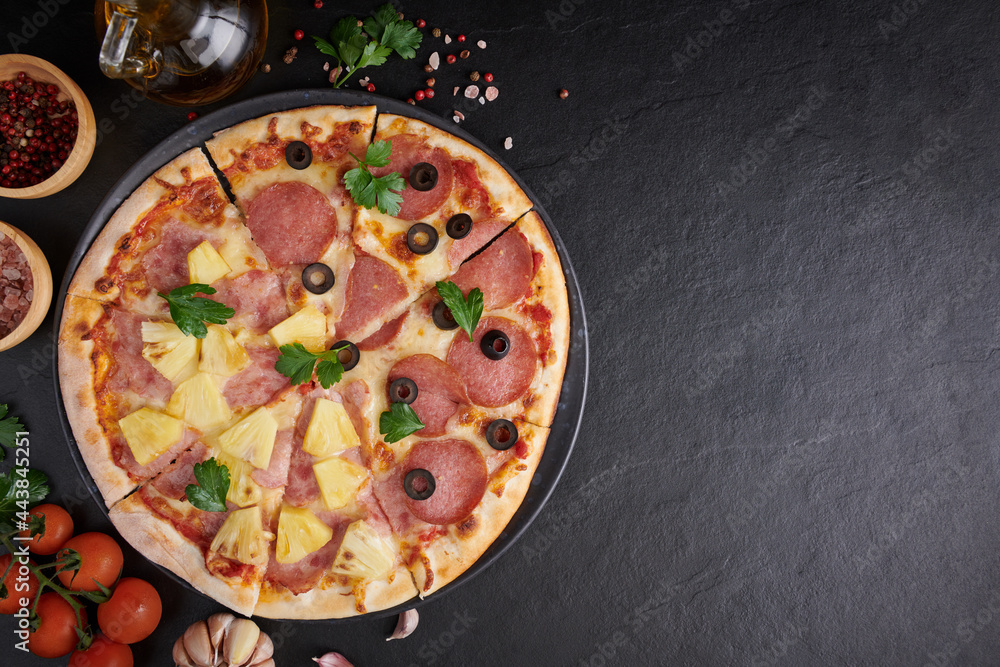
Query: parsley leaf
point(190, 312)
point(465, 310)
point(398, 422)
point(213, 485)
point(297, 363)
point(354, 50)
point(38, 488)
point(10, 426)
point(384, 192)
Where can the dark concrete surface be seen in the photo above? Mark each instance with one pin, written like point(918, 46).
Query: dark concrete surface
point(783, 216)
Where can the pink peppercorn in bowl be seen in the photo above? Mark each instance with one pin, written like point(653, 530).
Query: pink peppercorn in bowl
point(25, 286)
point(75, 160)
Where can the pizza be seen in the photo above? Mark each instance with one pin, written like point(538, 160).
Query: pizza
point(358, 485)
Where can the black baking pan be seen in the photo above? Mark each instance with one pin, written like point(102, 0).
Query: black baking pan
point(569, 414)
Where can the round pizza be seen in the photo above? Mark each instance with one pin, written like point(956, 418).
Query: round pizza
point(327, 393)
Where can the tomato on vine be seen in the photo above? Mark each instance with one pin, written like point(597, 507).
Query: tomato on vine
point(49, 528)
point(56, 634)
point(100, 562)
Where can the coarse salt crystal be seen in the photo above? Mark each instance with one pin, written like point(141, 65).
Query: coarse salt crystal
point(508, 143)
point(434, 61)
point(455, 92)
point(447, 39)
point(326, 66)
point(492, 93)
point(482, 100)
point(456, 118)
point(461, 116)
point(472, 92)
point(481, 44)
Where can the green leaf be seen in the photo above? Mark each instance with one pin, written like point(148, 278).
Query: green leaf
point(190, 312)
point(389, 193)
point(213, 485)
point(398, 422)
point(329, 372)
point(326, 47)
point(383, 192)
point(379, 154)
point(358, 182)
point(296, 363)
point(465, 310)
point(37, 489)
point(10, 426)
point(373, 55)
point(401, 37)
point(380, 18)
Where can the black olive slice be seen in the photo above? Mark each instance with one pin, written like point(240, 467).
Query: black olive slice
point(421, 239)
point(443, 319)
point(419, 484)
point(423, 176)
point(298, 155)
point(348, 357)
point(501, 434)
point(495, 344)
point(403, 390)
point(459, 226)
point(318, 278)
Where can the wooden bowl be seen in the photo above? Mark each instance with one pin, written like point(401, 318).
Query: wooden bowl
point(86, 135)
point(42, 286)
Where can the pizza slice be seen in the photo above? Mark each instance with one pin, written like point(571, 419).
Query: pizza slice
point(145, 248)
point(457, 199)
point(286, 171)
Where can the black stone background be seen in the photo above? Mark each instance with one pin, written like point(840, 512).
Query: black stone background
point(782, 215)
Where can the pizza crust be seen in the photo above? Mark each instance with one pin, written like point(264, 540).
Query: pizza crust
point(336, 601)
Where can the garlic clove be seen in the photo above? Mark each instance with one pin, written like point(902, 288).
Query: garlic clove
point(263, 651)
point(267, 663)
point(197, 644)
point(405, 625)
point(241, 640)
point(217, 626)
point(332, 659)
point(181, 658)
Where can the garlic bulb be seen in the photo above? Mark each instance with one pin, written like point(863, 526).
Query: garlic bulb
point(223, 640)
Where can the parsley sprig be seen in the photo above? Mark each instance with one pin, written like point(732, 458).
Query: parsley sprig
point(384, 32)
point(399, 421)
point(465, 310)
point(209, 493)
point(297, 363)
point(370, 191)
point(190, 312)
point(10, 426)
point(13, 508)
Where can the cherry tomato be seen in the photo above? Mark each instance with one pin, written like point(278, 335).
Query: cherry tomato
point(100, 558)
point(103, 653)
point(58, 529)
point(27, 587)
point(132, 613)
point(56, 633)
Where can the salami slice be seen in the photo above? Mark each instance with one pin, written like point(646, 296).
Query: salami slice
point(408, 150)
point(460, 479)
point(440, 390)
point(373, 288)
point(384, 335)
point(293, 223)
point(482, 232)
point(165, 265)
point(492, 383)
point(503, 271)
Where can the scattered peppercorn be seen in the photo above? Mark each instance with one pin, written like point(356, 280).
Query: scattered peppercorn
point(421, 23)
point(298, 34)
point(361, 24)
point(474, 76)
point(370, 87)
point(192, 115)
point(410, 101)
point(290, 55)
point(429, 93)
point(431, 82)
point(436, 32)
point(450, 59)
point(419, 95)
point(464, 54)
point(489, 77)
point(461, 38)
point(37, 131)
point(563, 94)
point(265, 68)
point(318, 4)
point(428, 68)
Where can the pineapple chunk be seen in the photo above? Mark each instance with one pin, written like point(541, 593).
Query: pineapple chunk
point(200, 403)
point(238, 254)
point(206, 265)
point(242, 489)
point(300, 532)
point(338, 480)
point(150, 433)
point(172, 353)
point(330, 430)
point(252, 438)
point(308, 326)
point(365, 554)
point(243, 538)
point(221, 354)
